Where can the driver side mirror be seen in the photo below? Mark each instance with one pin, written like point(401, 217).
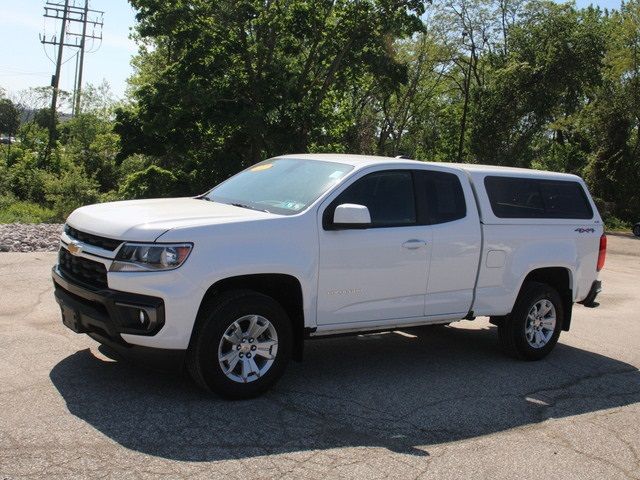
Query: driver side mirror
point(350, 215)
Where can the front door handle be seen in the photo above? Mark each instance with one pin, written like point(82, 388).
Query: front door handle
point(413, 244)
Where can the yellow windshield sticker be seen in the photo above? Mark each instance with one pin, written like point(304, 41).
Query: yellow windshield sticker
point(259, 168)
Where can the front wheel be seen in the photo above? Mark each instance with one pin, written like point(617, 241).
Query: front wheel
point(241, 345)
point(532, 329)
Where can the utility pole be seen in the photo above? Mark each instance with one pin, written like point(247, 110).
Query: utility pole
point(75, 89)
point(56, 78)
point(82, 45)
point(70, 15)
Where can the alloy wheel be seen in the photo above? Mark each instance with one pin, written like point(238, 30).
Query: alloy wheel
point(248, 348)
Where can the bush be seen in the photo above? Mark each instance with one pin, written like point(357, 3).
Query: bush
point(4, 175)
point(33, 137)
point(13, 211)
point(614, 224)
point(72, 189)
point(25, 180)
point(90, 143)
point(153, 182)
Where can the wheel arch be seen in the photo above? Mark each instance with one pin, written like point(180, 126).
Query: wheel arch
point(560, 278)
point(283, 288)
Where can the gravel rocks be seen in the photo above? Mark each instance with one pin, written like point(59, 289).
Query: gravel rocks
point(25, 237)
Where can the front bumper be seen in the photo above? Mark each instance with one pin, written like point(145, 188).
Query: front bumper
point(105, 314)
point(108, 313)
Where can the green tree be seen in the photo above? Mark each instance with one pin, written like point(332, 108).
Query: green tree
point(93, 145)
point(406, 111)
point(614, 118)
point(534, 95)
point(468, 26)
point(220, 84)
point(9, 117)
point(225, 83)
point(152, 182)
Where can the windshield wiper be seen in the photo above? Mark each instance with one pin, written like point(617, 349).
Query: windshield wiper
point(242, 205)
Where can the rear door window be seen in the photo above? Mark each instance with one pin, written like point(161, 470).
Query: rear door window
point(440, 197)
point(512, 197)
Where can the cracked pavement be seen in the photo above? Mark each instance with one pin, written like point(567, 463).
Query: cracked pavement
point(427, 403)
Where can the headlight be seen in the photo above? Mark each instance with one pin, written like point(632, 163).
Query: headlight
point(150, 257)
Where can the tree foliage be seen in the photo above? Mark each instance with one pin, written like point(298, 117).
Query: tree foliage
point(81, 168)
point(221, 84)
point(226, 82)
point(9, 116)
point(152, 182)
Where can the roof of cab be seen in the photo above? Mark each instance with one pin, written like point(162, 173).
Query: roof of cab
point(360, 161)
point(350, 159)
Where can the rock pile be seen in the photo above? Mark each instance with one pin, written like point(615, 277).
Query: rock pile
point(24, 237)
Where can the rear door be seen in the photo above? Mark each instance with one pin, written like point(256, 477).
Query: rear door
point(447, 200)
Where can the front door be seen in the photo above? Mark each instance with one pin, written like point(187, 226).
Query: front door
point(377, 273)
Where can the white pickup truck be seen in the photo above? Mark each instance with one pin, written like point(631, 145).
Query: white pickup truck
point(231, 283)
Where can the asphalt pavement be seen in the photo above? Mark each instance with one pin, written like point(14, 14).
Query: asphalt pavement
point(422, 403)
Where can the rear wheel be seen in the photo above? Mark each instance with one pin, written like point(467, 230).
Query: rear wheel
point(636, 229)
point(532, 329)
point(241, 346)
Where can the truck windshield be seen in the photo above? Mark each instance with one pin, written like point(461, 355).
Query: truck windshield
point(281, 185)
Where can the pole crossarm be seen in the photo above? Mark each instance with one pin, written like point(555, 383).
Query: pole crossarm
point(95, 23)
point(55, 42)
point(86, 35)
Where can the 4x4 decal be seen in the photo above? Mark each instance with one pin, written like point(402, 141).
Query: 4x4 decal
point(584, 230)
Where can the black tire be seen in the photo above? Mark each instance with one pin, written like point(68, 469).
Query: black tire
point(636, 229)
point(511, 329)
point(214, 319)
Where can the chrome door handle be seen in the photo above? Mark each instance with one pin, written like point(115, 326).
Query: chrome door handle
point(413, 244)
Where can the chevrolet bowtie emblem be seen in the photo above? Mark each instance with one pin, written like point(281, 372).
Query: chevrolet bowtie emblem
point(74, 248)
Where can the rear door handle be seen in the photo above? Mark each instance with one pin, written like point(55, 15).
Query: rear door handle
point(413, 244)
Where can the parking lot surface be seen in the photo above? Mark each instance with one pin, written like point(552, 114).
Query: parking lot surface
point(423, 403)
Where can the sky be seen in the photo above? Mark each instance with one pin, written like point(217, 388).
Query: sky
point(24, 62)
point(23, 59)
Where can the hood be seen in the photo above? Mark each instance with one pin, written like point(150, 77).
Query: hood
point(146, 220)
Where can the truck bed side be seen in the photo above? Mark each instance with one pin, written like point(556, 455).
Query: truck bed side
point(513, 248)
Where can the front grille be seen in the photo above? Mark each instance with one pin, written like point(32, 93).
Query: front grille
point(82, 269)
point(95, 240)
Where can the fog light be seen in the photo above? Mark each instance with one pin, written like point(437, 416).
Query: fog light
point(136, 317)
